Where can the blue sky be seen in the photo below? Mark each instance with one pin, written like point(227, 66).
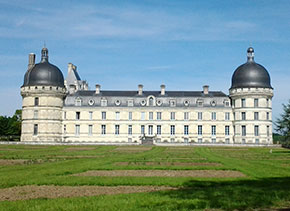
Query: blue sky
point(120, 44)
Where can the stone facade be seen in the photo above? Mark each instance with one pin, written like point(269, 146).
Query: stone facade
point(66, 111)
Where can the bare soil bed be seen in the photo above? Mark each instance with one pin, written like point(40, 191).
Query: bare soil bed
point(4, 162)
point(9, 162)
point(165, 164)
point(182, 158)
point(79, 156)
point(179, 148)
point(9, 149)
point(133, 149)
point(79, 148)
point(163, 173)
point(45, 191)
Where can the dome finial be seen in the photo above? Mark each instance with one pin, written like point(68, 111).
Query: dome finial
point(250, 54)
point(44, 54)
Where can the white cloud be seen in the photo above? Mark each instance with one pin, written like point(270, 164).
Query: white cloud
point(89, 21)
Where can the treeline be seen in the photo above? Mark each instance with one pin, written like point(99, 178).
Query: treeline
point(10, 127)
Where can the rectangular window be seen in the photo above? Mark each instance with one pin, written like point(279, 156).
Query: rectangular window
point(234, 115)
point(150, 115)
point(243, 115)
point(213, 115)
point(117, 115)
point(159, 116)
point(35, 114)
point(268, 130)
point(172, 129)
point(199, 129)
point(90, 115)
point(103, 115)
point(35, 129)
point(244, 132)
point(267, 115)
point(227, 130)
point(64, 129)
point(64, 115)
point(268, 102)
point(117, 129)
point(36, 101)
point(213, 140)
point(172, 115)
point(256, 116)
point(199, 115)
point(90, 130)
point(78, 115)
point(256, 102)
point(185, 129)
point(199, 140)
point(130, 129)
point(227, 116)
point(142, 115)
point(186, 116)
point(103, 127)
point(158, 129)
point(130, 115)
point(243, 103)
point(77, 130)
point(150, 129)
point(142, 129)
point(256, 130)
point(213, 130)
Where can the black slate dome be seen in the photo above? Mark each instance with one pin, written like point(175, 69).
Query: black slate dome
point(44, 73)
point(251, 74)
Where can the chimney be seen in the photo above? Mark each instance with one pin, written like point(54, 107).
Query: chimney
point(31, 60)
point(70, 67)
point(98, 87)
point(162, 89)
point(140, 89)
point(205, 89)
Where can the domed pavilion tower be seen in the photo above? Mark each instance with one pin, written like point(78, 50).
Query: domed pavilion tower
point(251, 94)
point(43, 93)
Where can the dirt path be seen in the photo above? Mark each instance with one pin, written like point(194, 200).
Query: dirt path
point(46, 191)
point(163, 173)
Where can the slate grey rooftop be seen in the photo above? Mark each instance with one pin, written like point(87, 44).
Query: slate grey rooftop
point(109, 93)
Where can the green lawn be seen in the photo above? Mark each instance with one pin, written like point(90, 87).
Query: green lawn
point(266, 184)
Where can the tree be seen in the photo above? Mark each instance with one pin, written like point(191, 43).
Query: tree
point(283, 123)
point(11, 126)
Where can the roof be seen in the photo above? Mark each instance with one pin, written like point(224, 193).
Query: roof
point(251, 74)
point(109, 93)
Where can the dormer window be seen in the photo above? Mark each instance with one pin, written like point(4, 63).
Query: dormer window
point(78, 101)
point(199, 102)
point(103, 102)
